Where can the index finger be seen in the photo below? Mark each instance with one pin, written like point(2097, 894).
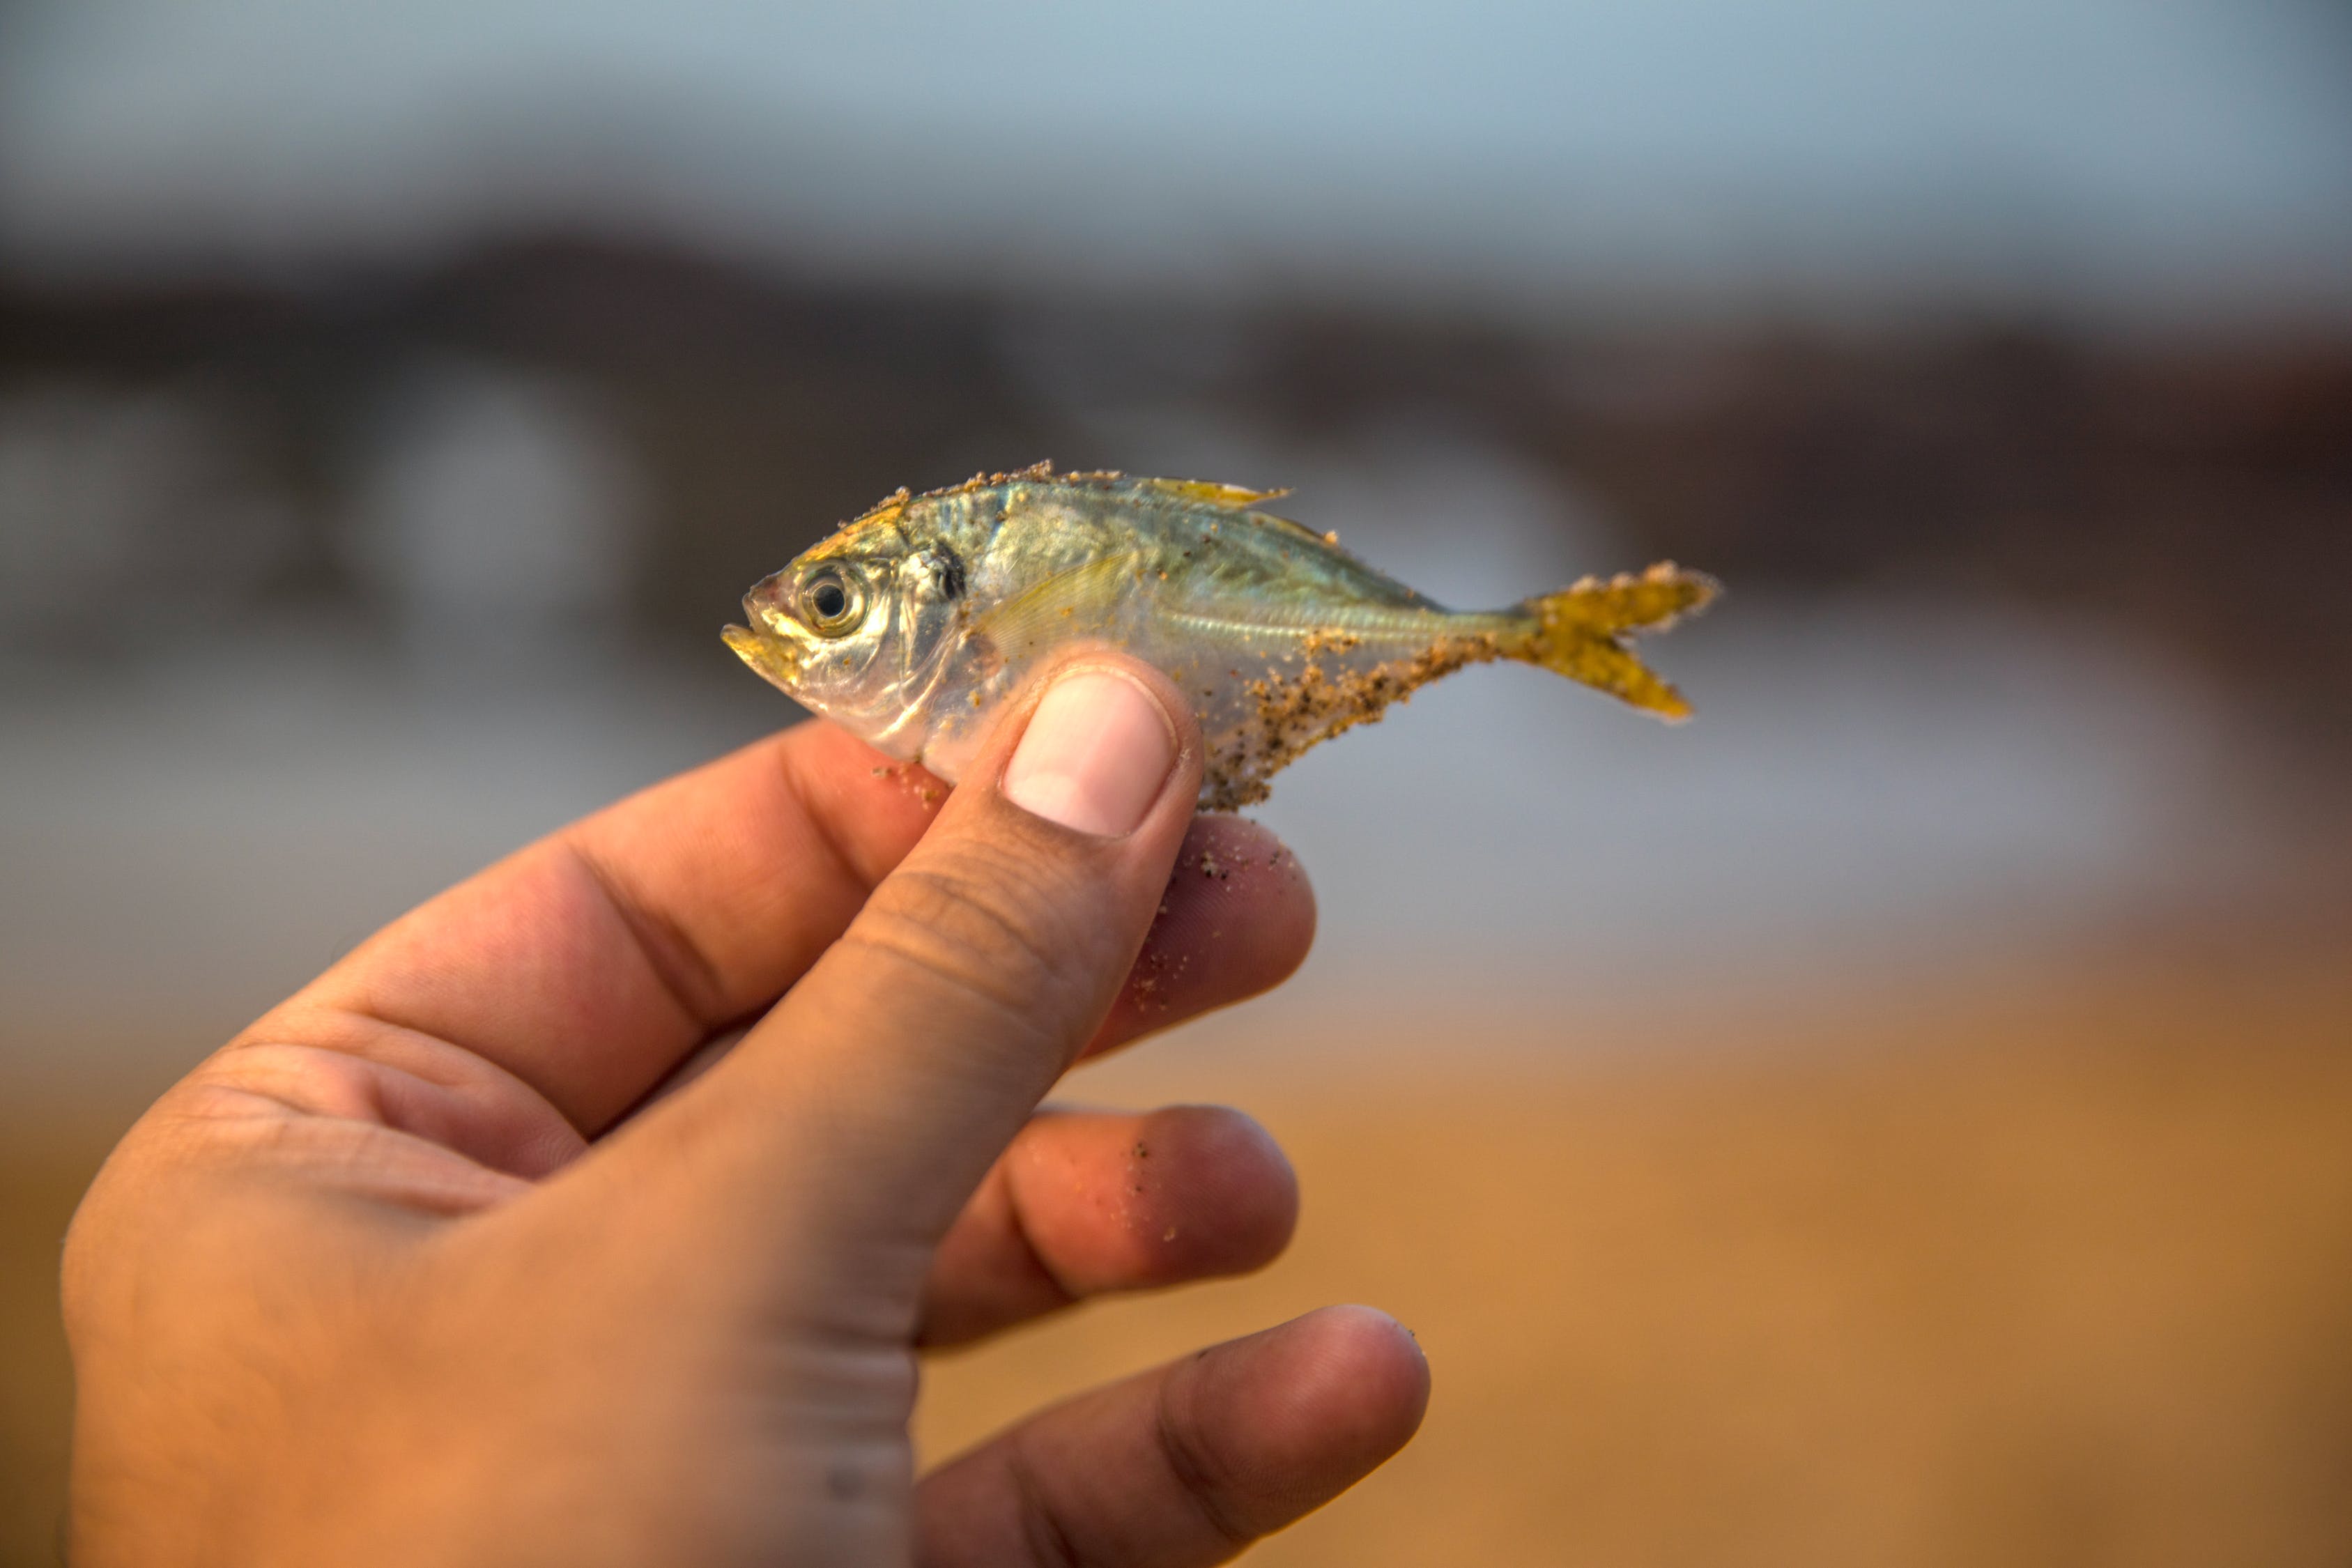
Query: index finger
point(593, 963)
point(589, 963)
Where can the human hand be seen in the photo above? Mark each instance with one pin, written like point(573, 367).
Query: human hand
point(456, 1257)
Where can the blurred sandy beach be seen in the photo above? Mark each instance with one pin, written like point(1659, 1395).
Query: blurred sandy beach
point(2034, 1276)
point(2034, 1266)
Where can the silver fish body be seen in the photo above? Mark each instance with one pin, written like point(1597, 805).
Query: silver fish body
point(914, 624)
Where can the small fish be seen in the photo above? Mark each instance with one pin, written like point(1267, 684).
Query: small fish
point(912, 624)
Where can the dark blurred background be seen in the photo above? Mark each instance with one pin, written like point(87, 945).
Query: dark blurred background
point(1904, 1116)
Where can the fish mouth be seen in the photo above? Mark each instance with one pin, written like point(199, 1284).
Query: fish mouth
point(776, 659)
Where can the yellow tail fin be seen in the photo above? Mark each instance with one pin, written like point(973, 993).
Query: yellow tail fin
point(1585, 632)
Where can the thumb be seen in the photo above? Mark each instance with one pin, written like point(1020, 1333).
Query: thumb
point(871, 1100)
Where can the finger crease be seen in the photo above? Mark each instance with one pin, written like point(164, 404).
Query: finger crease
point(827, 834)
point(1019, 1220)
point(1008, 1004)
point(1049, 1542)
point(680, 965)
point(1192, 1476)
point(957, 893)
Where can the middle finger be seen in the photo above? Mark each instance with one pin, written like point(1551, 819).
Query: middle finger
point(1085, 1203)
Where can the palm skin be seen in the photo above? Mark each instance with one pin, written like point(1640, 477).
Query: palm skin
point(484, 1248)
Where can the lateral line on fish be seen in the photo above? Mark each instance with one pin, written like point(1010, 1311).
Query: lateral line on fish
point(1389, 625)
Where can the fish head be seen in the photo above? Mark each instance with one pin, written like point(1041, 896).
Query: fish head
point(856, 628)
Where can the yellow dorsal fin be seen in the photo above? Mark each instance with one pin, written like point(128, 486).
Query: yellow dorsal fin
point(1054, 606)
point(1232, 498)
point(1206, 492)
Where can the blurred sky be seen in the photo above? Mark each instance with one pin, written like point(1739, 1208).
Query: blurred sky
point(2118, 157)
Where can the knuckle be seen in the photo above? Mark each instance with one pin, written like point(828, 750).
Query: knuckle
point(1046, 1534)
point(985, 925)
point(1206, 1490)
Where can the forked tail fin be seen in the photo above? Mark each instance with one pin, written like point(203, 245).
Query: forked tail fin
point(1585, 632)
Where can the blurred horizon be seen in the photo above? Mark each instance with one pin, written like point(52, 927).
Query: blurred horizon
point(317, 598)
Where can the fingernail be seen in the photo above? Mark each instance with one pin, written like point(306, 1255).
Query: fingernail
point(1095, 756)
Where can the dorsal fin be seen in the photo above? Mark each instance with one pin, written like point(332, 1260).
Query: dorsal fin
point(1233, 498)
point(1207, 492)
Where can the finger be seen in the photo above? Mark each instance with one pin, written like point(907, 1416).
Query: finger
point(902, 1063)
point(590, 963)
point(1085, 1203)
point(1187, 1463)
point(1236, 920)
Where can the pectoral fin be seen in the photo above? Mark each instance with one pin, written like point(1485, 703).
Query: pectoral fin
point(1054, 607)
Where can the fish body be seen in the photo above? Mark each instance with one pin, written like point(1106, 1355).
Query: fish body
point(914, 624)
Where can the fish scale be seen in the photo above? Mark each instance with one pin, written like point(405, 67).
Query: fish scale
point(914, 624)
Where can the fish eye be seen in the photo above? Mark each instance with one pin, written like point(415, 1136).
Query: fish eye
point(831, 601)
